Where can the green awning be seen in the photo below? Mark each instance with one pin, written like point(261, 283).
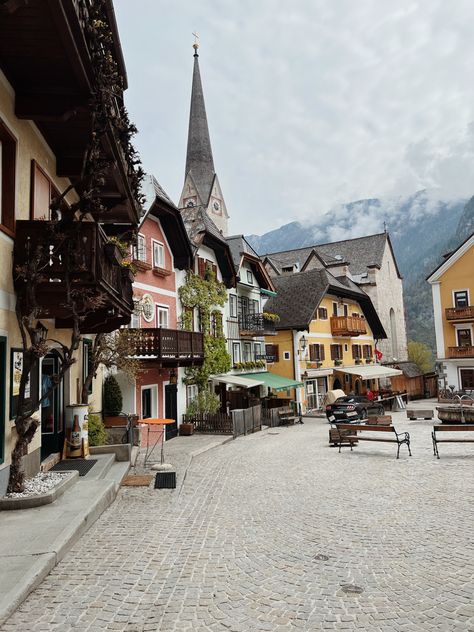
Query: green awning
point(273, 381)
point(267, 292)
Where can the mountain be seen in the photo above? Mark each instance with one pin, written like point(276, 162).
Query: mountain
point(422, 228)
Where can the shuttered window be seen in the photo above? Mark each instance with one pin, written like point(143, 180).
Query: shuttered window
point(367, 351)
point(316, 352)
point(356, 352)
point(322, 313)
point(336, 352)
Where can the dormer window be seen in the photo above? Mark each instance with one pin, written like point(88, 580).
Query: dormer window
point(249, 277)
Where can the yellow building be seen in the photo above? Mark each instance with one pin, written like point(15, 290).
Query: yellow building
point(452, 286)
point(326, 337)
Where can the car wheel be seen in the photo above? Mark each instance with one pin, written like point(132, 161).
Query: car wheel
point(363, 413)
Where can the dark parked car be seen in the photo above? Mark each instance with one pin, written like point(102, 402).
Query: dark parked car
point(352, 408)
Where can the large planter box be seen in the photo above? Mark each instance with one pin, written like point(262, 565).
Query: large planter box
point(185, 429)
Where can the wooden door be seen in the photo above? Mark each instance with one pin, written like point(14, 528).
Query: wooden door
point(3, 394)
point(171, 410)
point(52, 408)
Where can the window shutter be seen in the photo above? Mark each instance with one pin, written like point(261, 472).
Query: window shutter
point(201, 267)
point(321, 352)
point(333, 352)
point(272, 350)
point(313, 352)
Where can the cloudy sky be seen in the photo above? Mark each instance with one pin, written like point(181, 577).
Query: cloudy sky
point(310, 103)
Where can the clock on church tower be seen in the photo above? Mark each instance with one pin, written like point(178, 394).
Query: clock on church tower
point(216, 206)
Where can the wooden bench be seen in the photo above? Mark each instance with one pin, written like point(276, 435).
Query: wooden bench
point(390, 435)
point(286, 416)
point(419, 413)
point(451, 428)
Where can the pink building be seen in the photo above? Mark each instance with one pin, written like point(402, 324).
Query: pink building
point(162, 249)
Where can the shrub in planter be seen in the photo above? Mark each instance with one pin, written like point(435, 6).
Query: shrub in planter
point(97, 432)
point(113, 401)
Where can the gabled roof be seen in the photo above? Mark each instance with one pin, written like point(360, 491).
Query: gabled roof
point(201, 230)
point(409, 369)
point(450, 259)
point(199, 159)
point(299, 295)
point(242, 251)
point(163, 209)
point(359, 253)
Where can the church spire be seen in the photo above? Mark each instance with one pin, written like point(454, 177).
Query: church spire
point(201, 185)
point(199, 160)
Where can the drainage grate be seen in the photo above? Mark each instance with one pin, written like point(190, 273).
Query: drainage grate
point(321, 557)
point(83, 466)
point(352, 589)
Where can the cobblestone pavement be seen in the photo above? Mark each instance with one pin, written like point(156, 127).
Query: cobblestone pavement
point(279, 532)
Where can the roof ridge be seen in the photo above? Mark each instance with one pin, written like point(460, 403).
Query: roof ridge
point(327, 243)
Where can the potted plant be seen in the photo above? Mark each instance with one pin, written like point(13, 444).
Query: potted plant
point(116, 250)
point(128, 270)
point(337, 362)
point(112, 402)
point(273, 318)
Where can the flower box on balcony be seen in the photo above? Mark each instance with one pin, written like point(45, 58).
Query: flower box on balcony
point(368, 360)
point(314, 365)
point(358, 361)
point(337, 362)
point(161, 272)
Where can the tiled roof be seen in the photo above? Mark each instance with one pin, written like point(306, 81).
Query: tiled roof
point(238, 245)
point(197, 221)
point(298, 296)
point(410, 369)
point(358, 253)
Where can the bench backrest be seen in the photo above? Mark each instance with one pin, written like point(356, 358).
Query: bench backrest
point(380, 420)
point(454, 428)
point(366, 427)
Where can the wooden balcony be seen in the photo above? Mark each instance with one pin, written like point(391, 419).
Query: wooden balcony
point(168, 347)
point(461, 352)
point(460, 313)
point(347, 326)
point(91, 272)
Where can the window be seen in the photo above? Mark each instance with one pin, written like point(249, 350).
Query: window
point(204, 265)
point(162, 316)
point(158, 255)
point(346, 311)
point(322, 313)
point(236, 352)
point(7, 178)
point(367, 351)
point(255, 307)
point(334, 309)
point(336, 352)
point(249, 277)
point(134, 321)
point(191, 393)
point(316, 352)
point(286, 355)
point(87, 361)
point(257, 350)
point(233, 305)
point(461, 298)
point(271, 352)
point(247, 352)
point(356, 352)
point(140, 248)
point(464, 338)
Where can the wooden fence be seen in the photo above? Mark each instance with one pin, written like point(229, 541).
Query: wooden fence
point(270, 417)
point(246, 420)
point(240, 422)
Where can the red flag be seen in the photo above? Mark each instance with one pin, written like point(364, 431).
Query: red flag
point(378, 354)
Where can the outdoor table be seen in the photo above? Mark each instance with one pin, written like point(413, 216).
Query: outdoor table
point(149, 449)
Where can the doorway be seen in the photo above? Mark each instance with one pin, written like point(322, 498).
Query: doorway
point(171, 410)
point(147, 402)
point(52, 408)
point(3, 398)
point(336, 384)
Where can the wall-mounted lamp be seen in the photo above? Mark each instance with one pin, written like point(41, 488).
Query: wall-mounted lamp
point(173, 377)
point(41, 331)
point(303, 343)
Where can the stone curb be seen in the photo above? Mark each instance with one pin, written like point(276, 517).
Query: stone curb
point(47, 498)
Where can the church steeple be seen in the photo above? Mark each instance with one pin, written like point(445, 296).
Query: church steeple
point(201, 186)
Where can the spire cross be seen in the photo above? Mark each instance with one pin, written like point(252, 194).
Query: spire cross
point(196, 42)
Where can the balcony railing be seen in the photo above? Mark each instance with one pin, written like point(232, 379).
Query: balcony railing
point(80, 254)
point(461, 352)
point(347, 326)
point(169, 347)
point(255, 325)
point(460, 313)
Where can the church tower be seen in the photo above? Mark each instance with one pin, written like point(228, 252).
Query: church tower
point(201, 186)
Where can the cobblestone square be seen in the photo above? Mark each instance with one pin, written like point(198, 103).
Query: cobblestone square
point(277, 531)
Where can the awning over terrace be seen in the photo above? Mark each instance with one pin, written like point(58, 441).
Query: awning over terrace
point(371, 371)
point(275, 382)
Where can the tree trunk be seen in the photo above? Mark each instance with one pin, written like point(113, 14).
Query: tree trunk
point(16, 482)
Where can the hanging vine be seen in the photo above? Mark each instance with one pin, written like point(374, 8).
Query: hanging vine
point(205, 295)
